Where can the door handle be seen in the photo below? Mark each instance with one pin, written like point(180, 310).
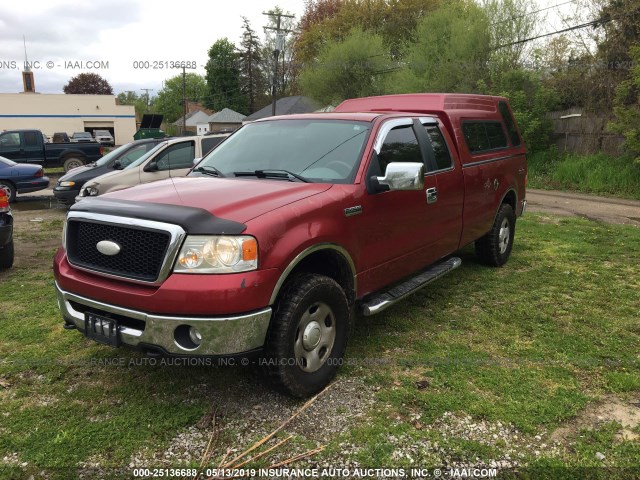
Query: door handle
point(432, 195)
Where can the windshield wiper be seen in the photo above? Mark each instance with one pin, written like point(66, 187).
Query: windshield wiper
point(209, 170)
point(273, 173)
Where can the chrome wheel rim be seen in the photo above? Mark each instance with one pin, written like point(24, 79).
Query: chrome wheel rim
point(504, 236)
point(315, 335)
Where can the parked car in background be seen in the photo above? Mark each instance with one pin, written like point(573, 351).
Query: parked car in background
point(81, 137)
point(20, 178)
point(6, 231)
point(27, 146)
point(104, 137)
point(170, 158)
point(69, 185)
point(60, 137)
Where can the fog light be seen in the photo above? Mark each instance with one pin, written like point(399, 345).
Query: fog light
point(194, 336)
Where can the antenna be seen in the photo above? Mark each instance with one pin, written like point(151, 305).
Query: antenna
point(26, 60)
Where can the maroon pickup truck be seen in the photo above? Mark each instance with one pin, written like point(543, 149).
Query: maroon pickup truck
point(276, 239)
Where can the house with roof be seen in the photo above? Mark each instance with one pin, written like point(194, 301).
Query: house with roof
point(286, 106)
point(225, 120)
point(193, 118)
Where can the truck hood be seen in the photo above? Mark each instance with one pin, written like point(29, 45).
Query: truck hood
point(238, 200)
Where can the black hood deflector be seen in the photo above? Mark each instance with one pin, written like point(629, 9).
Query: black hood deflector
point(194, 221)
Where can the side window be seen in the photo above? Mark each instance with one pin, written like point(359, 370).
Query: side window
point(440, 150)
point(495, 134)
point(210, 143)
point(484, 135)
point(510, 123)
point(133, 155)
point(10, 140)
point(177, 156)
point(400, 145)
point(30, 139)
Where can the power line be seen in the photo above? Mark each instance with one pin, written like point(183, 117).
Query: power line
point(593, 23)
point(533, 13)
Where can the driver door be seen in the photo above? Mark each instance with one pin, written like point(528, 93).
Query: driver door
point(169, 162)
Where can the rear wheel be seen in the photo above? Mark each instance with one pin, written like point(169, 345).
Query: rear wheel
point(495, 247)
point(308, 335)
point(71, 163)
point(6, 256)
point(10, 189)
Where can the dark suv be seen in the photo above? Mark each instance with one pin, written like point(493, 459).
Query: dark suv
point(69, 186)
point(6, 231)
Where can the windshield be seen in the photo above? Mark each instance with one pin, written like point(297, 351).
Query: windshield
point(109, 156)
point(325, 151)
point(144, 157)
point(82, 135)
point(7, 162)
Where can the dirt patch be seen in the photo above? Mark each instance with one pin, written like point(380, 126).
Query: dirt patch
point(241, 423)
point(610, 409)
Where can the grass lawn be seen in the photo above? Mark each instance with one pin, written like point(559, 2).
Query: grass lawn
point(598, 174)
point(481, 368)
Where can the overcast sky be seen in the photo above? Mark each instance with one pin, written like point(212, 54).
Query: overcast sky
point(119, 32)
point(59, 34)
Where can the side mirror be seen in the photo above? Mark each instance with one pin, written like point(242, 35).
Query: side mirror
point(151, 167)
point(401, 176)
point(196, 160)
point(118, 165)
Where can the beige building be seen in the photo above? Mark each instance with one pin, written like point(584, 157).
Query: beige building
point(67, 113)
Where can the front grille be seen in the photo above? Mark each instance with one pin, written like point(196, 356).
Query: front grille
point(142, 250)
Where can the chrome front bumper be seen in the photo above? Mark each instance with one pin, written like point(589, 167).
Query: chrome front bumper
point(220, 335)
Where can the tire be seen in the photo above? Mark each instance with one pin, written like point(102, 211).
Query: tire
point(10, 188)
point(6, 256)
point(300, 364)
point(495, 247)
point(71, 163)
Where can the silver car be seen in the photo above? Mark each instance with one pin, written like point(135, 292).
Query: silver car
point(104, 137)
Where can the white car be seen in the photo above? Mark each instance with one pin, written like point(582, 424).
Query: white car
point(104, 137)
point(171, 158)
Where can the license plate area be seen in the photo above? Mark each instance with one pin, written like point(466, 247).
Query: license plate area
point(102, 329)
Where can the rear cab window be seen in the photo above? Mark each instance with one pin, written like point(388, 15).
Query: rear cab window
point(484, 135)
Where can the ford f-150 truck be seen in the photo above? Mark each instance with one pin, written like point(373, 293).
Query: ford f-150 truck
point(27, 146)
point(293, 225)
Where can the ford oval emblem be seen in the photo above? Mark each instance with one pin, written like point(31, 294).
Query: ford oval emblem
point(107, 247)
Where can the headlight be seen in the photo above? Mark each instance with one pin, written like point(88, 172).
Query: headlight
point(217, 254)
point(67, 184)
point(90, 191)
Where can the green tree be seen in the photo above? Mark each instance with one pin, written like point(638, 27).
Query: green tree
point(223, 78)
point(252, 79)
point(142, 103)
point(355, 67)
point(88, 83)
point(169, 100)
point(627, 107)
point(450, 54)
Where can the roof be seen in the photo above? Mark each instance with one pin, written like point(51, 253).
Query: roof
point(421, 103)
point(286, 106)
point(193, 119)
point(226, 115)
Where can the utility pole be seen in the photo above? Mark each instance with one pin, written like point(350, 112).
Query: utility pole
point(281, 34)
point(147, 90)
point(184, 100)
point(249, 37)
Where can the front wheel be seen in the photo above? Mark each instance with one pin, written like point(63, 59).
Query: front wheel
point(495, 247)
point(308, 335)
point(71, 163)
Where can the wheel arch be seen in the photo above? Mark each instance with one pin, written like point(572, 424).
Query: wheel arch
point(327, 259)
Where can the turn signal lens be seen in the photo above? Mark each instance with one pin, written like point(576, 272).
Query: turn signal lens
point(4, 200)
point(249, 250)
